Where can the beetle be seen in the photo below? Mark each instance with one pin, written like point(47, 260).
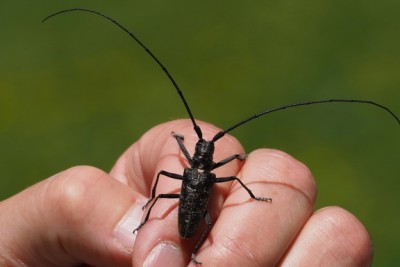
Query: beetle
point(198, 179)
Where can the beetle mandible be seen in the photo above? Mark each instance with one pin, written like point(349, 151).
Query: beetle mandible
point(198, 179)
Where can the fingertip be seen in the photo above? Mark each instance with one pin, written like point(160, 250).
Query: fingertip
point(332, 237)
point(158, 242)
point(165, 254)
point(351, 237)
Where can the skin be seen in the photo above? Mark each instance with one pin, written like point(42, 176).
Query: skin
point(84, 216)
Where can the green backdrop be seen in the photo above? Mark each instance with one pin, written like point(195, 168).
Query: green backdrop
point(76, 90)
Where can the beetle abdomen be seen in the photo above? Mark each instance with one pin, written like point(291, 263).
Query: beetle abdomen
point(195, 192)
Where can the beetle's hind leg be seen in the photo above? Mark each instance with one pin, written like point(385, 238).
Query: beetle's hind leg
point(207, 218)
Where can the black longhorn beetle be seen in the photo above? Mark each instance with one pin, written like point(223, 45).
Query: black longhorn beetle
point(198, 179)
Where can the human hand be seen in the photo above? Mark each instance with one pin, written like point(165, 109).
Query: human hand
point(83, 215)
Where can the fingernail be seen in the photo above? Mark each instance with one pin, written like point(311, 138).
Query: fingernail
point(123, 232)
point(165, 254)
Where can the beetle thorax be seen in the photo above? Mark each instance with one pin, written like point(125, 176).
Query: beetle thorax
point(203, 155)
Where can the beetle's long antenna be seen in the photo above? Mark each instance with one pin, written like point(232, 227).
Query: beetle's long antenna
point(179, 91)
point(222, 133)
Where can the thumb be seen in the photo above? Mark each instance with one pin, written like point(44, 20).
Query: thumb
point(78, 216)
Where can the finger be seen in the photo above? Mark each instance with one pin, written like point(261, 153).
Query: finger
point(160, 233)
point(331, 237)
point(68, 219)
point(257, 233)
point(140, 163)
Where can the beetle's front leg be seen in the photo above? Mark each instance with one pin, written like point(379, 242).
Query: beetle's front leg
point(179, 138)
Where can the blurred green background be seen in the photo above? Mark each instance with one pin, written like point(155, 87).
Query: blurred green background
point(76, 90)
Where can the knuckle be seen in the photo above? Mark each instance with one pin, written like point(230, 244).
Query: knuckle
point(68, 191)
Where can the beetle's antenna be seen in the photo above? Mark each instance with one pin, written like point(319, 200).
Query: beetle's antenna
point(179, 91)
point(222, 133)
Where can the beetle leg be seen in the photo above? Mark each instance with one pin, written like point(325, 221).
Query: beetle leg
point(151, 207)
point(153, 190)
point(229, 159)
point(232, 178)
point(179, 138)
point(203, 238)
